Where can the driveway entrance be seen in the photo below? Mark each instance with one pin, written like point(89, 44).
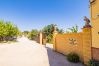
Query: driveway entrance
point(29, 53)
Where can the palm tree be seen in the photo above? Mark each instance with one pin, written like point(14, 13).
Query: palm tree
point(74, 29)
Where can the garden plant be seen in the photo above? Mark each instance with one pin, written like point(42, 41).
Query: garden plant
point(73, 57)
point(8, 31)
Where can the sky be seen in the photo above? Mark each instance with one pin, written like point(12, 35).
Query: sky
point(35, 14)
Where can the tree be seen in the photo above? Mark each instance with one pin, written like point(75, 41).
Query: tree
point(11, 29)
point(48, 30)
point(61, 31)
point(8, 31)
point(74, 29)
point(25, 33)
point(33, 34)
point(2, 30)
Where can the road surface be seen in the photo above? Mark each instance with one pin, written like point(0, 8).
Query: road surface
point(29, 53)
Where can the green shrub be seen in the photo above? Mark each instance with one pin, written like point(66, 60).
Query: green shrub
point(8, 31)
point(33, 34)
point(73, 57)
point(93, 63)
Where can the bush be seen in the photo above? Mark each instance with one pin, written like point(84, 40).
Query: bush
point(73, 57)
point(8, 31)
point(33, 34)
point(93, 63)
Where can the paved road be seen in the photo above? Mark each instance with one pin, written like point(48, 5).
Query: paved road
point(29, 53)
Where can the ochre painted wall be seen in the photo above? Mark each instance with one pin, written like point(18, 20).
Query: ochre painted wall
point(95, 53)
point(94, 10)
point(63, 44)
point(79, 43)
point(41, 38)
point(87, 44)
point(94, 7)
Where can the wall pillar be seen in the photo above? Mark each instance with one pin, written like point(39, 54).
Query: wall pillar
point(41, 38)
point(87, 44)
point(54, 36)
point(54, 40)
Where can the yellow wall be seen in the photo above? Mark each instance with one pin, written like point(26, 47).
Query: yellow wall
point(64, 46)
point(82, 45)
point(94, 7)
point(41, 38)
point(54, 39)
point(87, 44)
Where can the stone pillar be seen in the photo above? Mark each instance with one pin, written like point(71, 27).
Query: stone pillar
point(54, 37)
point(87, 44)
point(54, 40)
point(41, 38)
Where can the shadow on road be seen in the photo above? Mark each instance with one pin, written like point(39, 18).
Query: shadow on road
point(57, 59)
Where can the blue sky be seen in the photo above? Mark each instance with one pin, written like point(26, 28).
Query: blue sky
point(35, 14)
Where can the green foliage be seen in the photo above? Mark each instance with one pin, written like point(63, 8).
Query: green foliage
point(8, 31)
point(25, 33)
point(74, 29)
point(20, 34)
point(33, 34)
point(93, 63)
point(73, 57)
point(61, 31)
point(48, 30)
point(49, 37)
